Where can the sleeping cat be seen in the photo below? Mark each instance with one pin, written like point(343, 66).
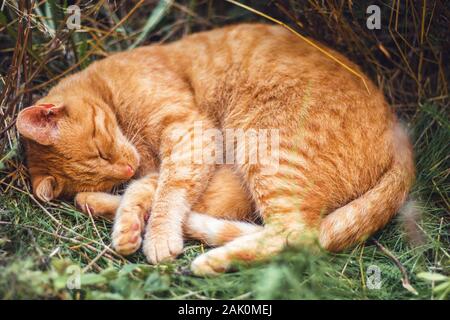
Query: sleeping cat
point(345, 164)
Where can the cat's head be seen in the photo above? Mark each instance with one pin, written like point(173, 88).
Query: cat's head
point(74, 145)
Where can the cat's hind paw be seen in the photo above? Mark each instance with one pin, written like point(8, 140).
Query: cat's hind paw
point(212, 263)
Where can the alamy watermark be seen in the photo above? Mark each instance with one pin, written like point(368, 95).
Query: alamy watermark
point(374, 20)
point(74, 277)
point(373, 279)
point(205, 145)
point(73, 21)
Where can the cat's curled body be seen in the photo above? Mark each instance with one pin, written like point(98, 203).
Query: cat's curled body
point(345, 164)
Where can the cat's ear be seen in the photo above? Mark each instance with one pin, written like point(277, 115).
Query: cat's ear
point(45, 188)
point(40, 122)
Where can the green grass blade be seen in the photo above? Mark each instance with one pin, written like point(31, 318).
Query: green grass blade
point(158, 13)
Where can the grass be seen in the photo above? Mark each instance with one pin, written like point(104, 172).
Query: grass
point(41, 251)
point(44, 247)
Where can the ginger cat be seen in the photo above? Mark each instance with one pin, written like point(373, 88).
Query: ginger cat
point(345, 165)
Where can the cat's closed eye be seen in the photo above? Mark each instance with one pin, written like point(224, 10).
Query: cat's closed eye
point(103, 155)
point(100, 153)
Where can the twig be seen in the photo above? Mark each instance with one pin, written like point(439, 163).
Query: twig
point(405, 280)
point(308, 41)
point(78, 242)
point(93, 223)
point(60, 224)
point(93, 261)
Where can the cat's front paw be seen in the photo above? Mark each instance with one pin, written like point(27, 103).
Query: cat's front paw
point(162, 244)
point(127, 229)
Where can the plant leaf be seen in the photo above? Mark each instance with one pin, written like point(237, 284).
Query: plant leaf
point(429, 276)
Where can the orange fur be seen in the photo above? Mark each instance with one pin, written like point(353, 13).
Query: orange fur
point(226, 203)
point(345, 164)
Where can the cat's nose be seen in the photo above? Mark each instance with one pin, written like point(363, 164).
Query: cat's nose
point(129, 171)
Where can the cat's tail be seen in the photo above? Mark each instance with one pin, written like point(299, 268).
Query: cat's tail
point(363, 216)
point(214, 231)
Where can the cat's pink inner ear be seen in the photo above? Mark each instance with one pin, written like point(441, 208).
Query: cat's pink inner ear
point(40, 122)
